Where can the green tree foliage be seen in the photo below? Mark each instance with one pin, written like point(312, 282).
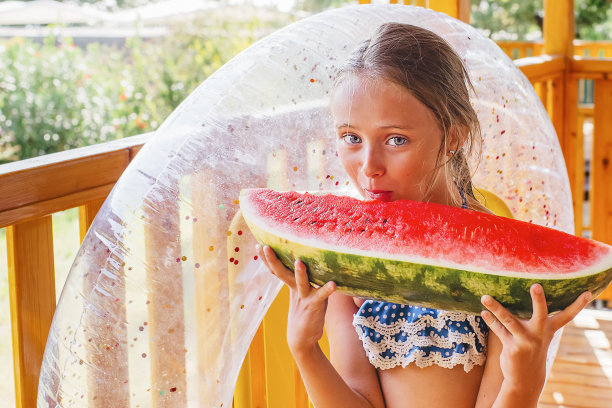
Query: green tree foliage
point(522, 19)
point(593, 19)
point(507, 19)
point(315, 6)
point(55, 96)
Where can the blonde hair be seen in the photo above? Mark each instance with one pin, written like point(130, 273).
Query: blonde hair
point(426, 65)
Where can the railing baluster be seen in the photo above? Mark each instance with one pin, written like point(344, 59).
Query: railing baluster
point(32, 298)
point(166, 311)
point(87, 213)
point(572, 144)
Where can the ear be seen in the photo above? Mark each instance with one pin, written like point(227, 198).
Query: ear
point(456, 138)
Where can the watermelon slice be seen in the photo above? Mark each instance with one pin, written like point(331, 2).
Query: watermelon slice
point(425, 254)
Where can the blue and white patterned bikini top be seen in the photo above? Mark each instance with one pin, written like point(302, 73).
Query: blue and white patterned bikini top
point(397, 335)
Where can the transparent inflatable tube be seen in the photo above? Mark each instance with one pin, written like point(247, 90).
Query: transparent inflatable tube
point(165, 295)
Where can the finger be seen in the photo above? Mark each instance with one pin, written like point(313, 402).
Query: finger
point(277, 267)
point(566, 315)
point(502, 314)
point(262, 256)
point(301, 279)
point(326, 290)
point(538, 301)
point(495, 326)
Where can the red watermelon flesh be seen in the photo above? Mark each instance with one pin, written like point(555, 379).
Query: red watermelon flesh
point(438, 244)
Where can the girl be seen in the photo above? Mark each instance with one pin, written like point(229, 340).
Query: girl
point(404, 127)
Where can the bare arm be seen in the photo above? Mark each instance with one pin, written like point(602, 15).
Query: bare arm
point(355, 382)
point(351, 381)
point(519, 371)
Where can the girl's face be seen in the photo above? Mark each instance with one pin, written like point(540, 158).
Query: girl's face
point(388, 141)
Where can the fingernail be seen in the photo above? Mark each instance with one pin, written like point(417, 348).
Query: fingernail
point(537, 288)
point(588, 296)
point(486, 300)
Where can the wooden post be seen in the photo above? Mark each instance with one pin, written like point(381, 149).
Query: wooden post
point(601, 194)
point(459, 9)
point(32, 299)
point(559, 27)
point(601, 167)
point(558, 40)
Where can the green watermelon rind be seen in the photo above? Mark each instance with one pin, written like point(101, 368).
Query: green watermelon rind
point(433, 286)
point(422, 285)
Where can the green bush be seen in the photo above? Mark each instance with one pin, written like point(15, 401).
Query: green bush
point(55, 96)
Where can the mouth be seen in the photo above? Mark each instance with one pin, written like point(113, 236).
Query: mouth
point(380, 195)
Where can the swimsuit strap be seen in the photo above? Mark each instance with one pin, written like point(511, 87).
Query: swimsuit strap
point(463, 199)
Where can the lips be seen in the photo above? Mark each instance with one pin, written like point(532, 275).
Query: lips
point(380, 195)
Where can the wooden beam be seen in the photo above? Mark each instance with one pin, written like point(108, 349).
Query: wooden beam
point(585, 66)
point(541, 67)
point(47, 207)
point(47, 184)
point(32, 300)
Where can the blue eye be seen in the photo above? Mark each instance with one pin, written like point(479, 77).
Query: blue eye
point(351, 138)
point(398, 141)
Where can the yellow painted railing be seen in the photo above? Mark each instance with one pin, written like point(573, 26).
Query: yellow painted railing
point(523, 49)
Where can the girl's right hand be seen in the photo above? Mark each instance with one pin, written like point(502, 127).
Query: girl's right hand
point(307, 305)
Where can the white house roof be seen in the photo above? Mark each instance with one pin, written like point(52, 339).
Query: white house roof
point(164, 11)
point(44, 12)
point(48, 12)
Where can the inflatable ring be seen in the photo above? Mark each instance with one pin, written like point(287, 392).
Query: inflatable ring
point(156, 306)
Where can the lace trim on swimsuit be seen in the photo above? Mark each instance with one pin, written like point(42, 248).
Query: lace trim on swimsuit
point(402, 350)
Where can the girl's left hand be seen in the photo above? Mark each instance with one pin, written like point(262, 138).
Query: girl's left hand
point(525, 342)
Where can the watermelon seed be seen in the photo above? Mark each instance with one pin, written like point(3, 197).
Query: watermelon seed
point(384, 221)
point(299, 202)
point(295, 219)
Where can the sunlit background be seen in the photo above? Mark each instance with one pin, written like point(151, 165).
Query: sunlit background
point(77, 73)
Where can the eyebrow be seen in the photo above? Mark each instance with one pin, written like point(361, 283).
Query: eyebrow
point(345, 125)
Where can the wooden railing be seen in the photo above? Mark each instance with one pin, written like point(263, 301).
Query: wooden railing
point(34, 189)
point(524, 49)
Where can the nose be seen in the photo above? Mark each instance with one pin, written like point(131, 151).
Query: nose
point(373, 163)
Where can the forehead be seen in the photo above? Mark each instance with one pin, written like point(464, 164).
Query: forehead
point(360, 98)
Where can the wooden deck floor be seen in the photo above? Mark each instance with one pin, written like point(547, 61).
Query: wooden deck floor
point(582, 373)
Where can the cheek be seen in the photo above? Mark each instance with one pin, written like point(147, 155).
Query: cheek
point(350, 162)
